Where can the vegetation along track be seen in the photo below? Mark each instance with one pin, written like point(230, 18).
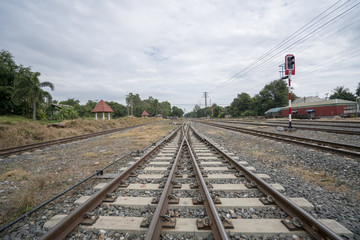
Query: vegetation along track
point(31, 147)
point(345, 149)
point(180, 187)
point(314, 127)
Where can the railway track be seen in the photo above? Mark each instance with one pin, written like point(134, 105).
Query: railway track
point(343, 124)
point(313, 128)
point(31, 147)
point(187, 186)
point(345, 149)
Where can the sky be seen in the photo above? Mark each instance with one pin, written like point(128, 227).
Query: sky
point(175, 50)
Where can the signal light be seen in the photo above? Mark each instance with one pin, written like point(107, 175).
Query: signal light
point(289, 64)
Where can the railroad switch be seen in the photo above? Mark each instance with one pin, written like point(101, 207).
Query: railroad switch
point(293, 224)
point(110, 198)
point(89, 219)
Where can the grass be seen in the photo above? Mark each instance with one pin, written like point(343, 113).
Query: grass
point(90, 155)
point(15, 175)
point(17, 130)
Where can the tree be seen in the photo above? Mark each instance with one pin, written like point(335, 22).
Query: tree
point(358, 90)
point(71, 102)
point(119, 110)
point(8, 71)
point(165, 108)
point(135, 104)
point(176, 112)
point(240, 104)
point(342, 93)
point(28, 89)
point(274, 94)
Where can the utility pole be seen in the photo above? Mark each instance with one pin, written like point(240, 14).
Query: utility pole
point(282, 70)
point(132, 107)
point(205, 95)
point(127, 104)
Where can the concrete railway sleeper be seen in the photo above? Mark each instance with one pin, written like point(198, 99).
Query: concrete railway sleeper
point(188, 188)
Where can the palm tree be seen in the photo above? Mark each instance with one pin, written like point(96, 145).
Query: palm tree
point(28, 89)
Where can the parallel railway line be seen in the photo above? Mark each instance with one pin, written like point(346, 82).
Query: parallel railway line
point(300, 126)
point(186, 164)
point(30, 147)
point(345, 149)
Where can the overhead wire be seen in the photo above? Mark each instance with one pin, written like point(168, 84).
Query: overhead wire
point(246, 71)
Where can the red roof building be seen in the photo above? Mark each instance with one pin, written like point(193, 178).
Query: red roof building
point(145, 114)
point(103, 108)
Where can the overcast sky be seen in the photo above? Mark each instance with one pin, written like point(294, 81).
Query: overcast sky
point(174, 50)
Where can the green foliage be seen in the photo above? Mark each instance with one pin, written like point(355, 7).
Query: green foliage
point(176, 112)
point(358, 90)
point(240, 104)
point(343, 93)
point(71, 102)
point(8, 71)
point(119, 110)
point(65, 114)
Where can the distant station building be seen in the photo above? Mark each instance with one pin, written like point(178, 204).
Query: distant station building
point(145, 114)
point(316, 109)
point(103, 108)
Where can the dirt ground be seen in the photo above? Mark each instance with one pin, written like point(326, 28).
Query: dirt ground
point(30, 179)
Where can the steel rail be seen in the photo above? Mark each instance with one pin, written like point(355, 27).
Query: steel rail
point(315, 122)
point(28, 147)
point(348, 132)
point(311, 225)
point(66, 225)
point(156, 223)
point(217, 226)
point(349, 150)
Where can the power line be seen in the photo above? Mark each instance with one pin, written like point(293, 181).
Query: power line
point(257, 64)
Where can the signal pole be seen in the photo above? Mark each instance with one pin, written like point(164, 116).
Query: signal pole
point(289, 70)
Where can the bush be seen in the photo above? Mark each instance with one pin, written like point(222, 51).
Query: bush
point(65, 114)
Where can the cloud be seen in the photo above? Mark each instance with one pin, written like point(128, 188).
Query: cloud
point(175, 50)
